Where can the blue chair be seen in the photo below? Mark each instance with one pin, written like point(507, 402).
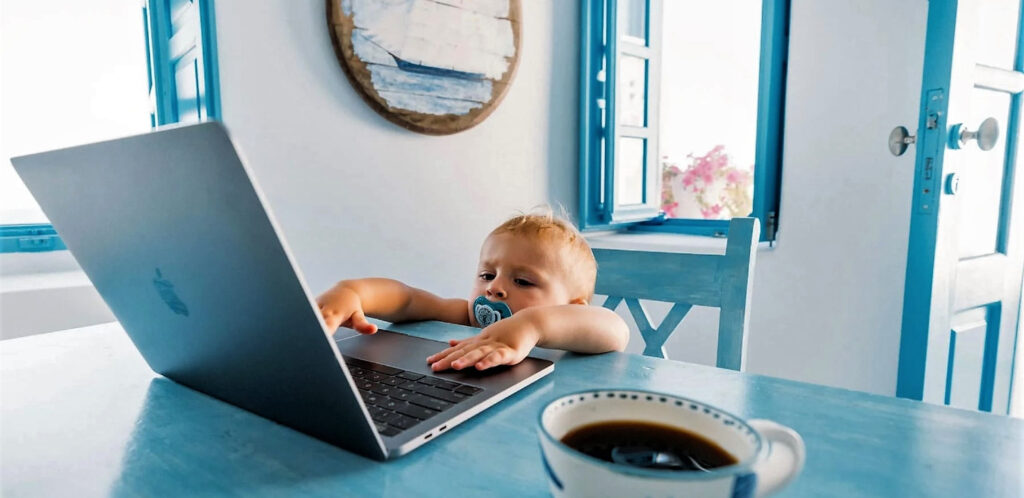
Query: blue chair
point(720, 281)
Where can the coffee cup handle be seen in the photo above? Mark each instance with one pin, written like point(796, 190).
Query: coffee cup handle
point(785, 456)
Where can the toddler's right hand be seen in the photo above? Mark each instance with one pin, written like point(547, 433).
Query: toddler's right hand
point(341, 307)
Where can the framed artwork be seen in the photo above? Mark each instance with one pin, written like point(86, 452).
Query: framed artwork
point(432, 66)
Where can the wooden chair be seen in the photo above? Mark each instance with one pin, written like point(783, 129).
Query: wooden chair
point(721, 281)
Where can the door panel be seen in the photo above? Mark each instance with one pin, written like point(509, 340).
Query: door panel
point(981, 178)
point(966, 257)
point(996, 32)
point(966, 359)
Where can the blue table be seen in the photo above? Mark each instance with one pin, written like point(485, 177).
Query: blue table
point(82, 415)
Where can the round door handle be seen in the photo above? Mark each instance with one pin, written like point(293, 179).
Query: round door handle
point(986, 136)
point(899, 140)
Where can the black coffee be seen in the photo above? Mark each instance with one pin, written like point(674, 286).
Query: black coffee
point(644, 444)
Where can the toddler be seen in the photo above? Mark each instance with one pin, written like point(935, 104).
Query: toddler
point(533, 285)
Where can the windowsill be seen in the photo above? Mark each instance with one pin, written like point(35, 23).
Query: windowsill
point(33, 285)
point(662, 242)
point(44, 281)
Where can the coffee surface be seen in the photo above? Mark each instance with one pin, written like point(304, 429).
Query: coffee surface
point(648, 445)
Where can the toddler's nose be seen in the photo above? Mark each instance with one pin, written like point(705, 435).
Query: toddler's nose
point(496, 291)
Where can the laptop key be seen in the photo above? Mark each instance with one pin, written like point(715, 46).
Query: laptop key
point(376, 377)
point(415, 411)
point(430, 381)
point(411, 376)
point(381, 388)
point(401, 394)
point(389, 431)
point(357, 372)
point(384, 369)
point(391, 381)
point(434, 392)
point(410, 385)
point(450, 386)
point(403, 422)
point(427, 401)
point(356, 363)
point(469, 390)
point(379, 414)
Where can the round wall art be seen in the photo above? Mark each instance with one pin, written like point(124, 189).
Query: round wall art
point(432, 66)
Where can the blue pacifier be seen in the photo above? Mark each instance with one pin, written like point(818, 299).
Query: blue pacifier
point(488, 312)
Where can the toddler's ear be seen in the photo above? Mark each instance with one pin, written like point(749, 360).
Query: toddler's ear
point(580, 300)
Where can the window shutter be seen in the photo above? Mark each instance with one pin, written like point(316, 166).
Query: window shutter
point(181, 50)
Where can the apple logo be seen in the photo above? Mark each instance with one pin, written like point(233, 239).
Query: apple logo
point(166, 290)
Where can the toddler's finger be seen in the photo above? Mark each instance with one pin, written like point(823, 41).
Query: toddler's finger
point(437, 356)
point(454, 342)
point(472, 357)
point(497, 357)
point(446, 362)
point(361, 325)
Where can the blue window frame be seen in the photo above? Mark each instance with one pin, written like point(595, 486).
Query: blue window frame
point(620, 87)
point(181, 51)
point(181, 54)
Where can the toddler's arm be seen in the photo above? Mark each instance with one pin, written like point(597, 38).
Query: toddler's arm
point(574, 327)
point(348, 303)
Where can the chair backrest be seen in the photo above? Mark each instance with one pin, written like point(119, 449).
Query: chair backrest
point(687, 280)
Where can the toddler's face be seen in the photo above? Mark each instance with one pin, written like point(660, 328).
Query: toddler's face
point(521, 272)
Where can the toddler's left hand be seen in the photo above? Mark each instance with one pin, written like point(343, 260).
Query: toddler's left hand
point(506, 342)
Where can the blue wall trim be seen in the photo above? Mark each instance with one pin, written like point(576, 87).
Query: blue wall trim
point(39, 237)
point(591, 40)
point(917, 293)
point(208, 26)
point(163, 87)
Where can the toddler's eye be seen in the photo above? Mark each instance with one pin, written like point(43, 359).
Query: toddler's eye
point(523, 283)
point(487, 276)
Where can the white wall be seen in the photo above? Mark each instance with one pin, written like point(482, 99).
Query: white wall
point(828, 300)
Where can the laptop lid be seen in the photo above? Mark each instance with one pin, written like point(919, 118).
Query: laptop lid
point(175, 236)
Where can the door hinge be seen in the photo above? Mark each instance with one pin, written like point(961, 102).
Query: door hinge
point(771, 225)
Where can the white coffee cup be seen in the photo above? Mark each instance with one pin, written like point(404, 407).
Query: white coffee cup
point(769, 455)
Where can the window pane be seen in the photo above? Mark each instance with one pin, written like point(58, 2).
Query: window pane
point(708, 110)
point(66, 82)
point(631, 94)
point(629, 171)
point(633, 19)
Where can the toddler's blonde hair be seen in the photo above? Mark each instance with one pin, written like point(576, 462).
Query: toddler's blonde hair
point(581, 269)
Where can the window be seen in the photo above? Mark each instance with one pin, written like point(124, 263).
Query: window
point(78, 73)
point(681, 113)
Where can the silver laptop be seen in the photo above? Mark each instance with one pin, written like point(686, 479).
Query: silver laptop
point(177, 238)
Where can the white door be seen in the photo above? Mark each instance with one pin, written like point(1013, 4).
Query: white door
point(966, 250)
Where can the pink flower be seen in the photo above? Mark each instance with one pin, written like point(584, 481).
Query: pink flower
point(711, 212)
point(670, 209)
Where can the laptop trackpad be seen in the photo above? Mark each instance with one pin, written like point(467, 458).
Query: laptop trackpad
point(410, 353)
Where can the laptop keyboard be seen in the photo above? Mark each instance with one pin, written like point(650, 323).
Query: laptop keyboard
point(398, 400)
